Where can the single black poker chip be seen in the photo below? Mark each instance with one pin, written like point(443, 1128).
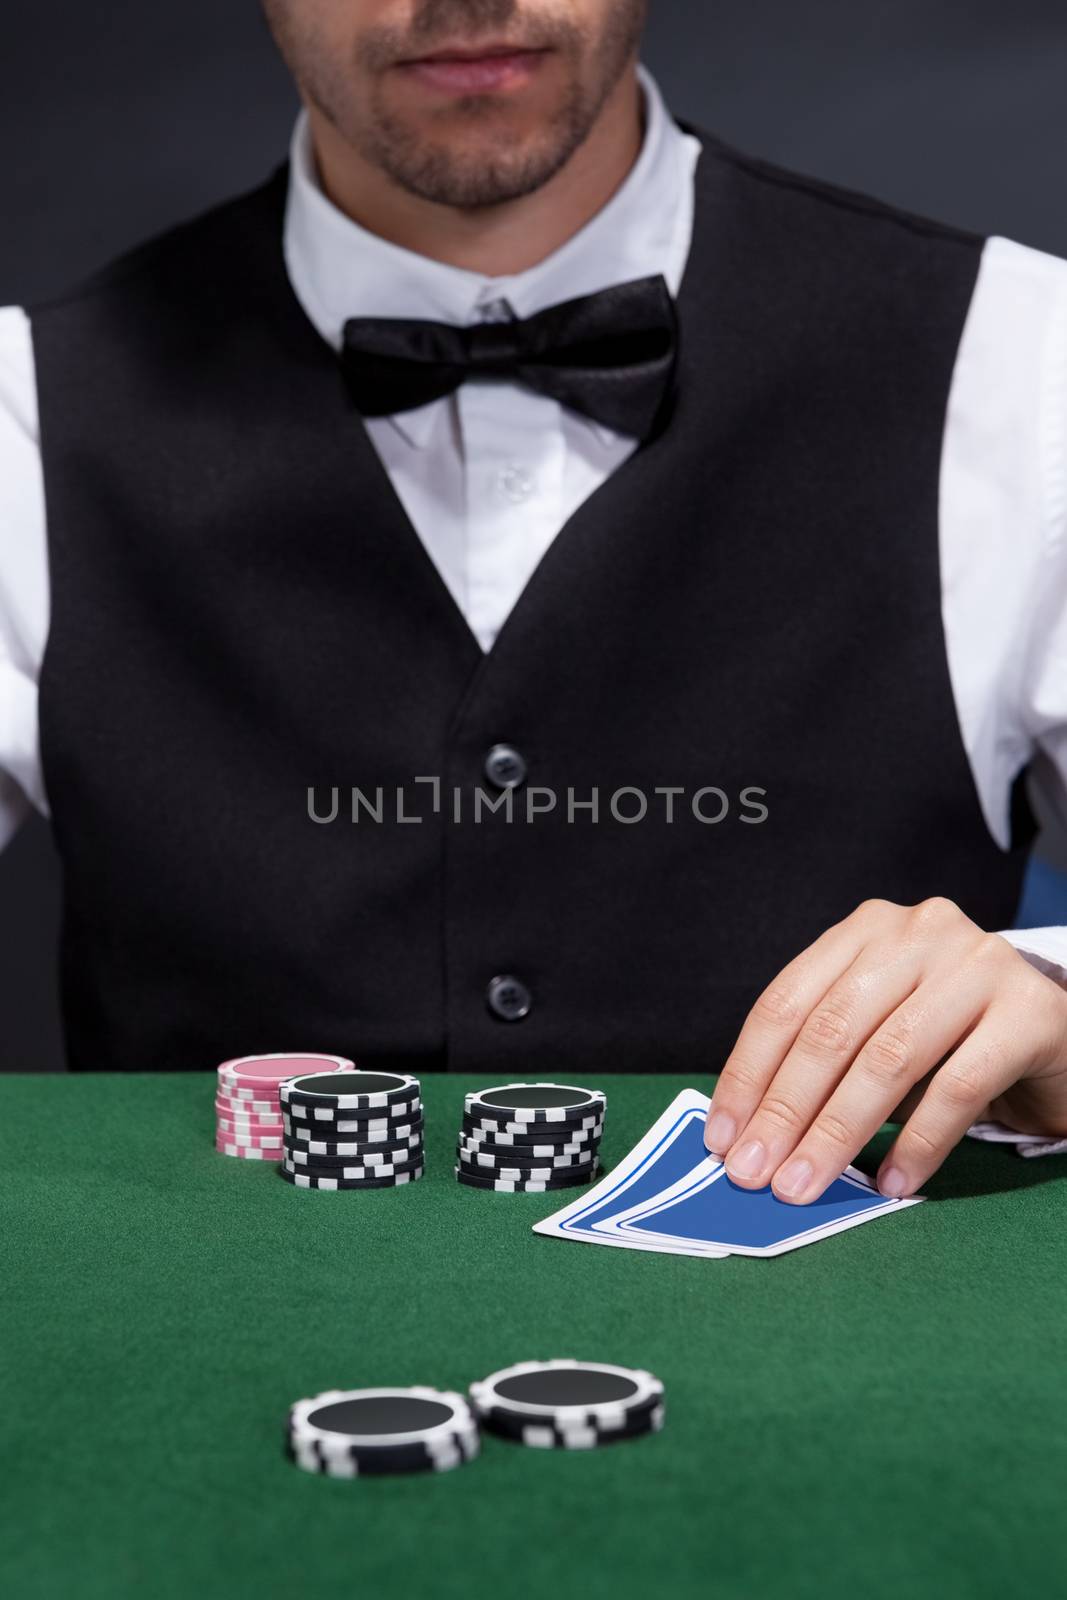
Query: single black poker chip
point(353, 1170)
point(526, 1155)
point(338, 1121)
point(354, 1463)
point(573, 1180)
point(523, 1133)
point(521, 1155)
point(358, 1432)
point(535, 1103)
point(390, 1130)
point(586, 1128)
point(580, 1436)
point(349, 1091)
point(527, 1172)
point(316, 1180)
point(378, 1156)
point(578, 1127)
point(569, 1404)
point(491, 1161)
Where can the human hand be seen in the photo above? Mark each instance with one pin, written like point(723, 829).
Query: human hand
point(908, 1013)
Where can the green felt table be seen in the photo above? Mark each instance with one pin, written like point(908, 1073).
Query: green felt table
point(881, 1414)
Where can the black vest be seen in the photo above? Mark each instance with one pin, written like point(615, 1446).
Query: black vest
point(242, 611)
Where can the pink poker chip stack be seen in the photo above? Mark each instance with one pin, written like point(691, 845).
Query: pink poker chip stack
point(248, 1116)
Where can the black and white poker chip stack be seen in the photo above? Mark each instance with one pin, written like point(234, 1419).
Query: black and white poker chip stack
point(530, 1138)
point(352, 1130)
point(569, 1405)
point(355, 1433)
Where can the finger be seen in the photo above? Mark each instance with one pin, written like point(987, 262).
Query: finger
point(772, 1025)
point(901, 1113)
point(986, 1064)
point(929, 1024)
point(825, 1048)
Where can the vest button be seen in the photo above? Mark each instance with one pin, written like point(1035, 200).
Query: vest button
point(508, 998)
point(505, 767)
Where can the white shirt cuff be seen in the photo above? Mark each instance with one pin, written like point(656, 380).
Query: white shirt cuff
point(1045, 949)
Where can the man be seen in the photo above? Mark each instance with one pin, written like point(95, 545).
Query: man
point(520, 443)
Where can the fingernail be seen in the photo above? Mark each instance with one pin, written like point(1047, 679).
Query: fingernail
point(720, 1132)
point(747, 1161)
point(794, 1178)
point(893, 1184)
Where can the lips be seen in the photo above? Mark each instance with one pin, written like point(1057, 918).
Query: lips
point(473, 52)
point(485, 68)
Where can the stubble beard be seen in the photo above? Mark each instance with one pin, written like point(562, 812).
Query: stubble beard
point(471, 172)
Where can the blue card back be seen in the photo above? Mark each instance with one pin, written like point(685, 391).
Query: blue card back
point(717, 1211)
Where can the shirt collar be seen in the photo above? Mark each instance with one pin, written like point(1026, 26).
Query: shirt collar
point(339, 269)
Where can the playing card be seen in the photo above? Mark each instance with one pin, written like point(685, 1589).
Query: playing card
point(709, 1209)
point(669, 1151)
point(670, 1195)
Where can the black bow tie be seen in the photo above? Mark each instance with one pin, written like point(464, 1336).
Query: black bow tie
point(608, 355)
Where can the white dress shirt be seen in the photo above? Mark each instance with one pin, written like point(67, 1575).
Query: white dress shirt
point(489, 474)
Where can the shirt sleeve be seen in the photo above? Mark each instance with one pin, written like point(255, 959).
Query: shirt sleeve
point(24, 597)
point(1028, 297)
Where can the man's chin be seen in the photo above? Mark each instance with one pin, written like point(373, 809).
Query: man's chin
point(471, 163)
point(472, 183)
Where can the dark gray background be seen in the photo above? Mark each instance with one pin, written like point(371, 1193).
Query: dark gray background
point(118, 118)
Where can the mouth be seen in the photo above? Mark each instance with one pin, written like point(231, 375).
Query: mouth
point(484, 68)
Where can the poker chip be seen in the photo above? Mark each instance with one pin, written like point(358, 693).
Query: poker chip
point(265, 1141)
point(349, 1091)
point(354, 1146)
point(242, 1094)
point(350, 1433)
point(228, 1125)
point(573, 1180)
point(250, 1152)
point(491, 1161)
point(375, 1144)
point(317, 1180)
point(245, 1077)
point(326, 1124)
point(543, 1135)
point(240, 1113)
point(354, 1122)
point(247, 1107)
point(559, 1177)
point(353, 1170)
point(226, 1107)
point(269, 1110)
point(547, 1144)
point(540, 1130)
point(529, 1138)
point(378, 1155)
point(550, 1436)
point(573, 1405)
point(476, 1155)
point(392, 1129)
point(360, 1148)
point(522, 1103)
point(240, 1135)
point(380, 1463)
point(232, 1119)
